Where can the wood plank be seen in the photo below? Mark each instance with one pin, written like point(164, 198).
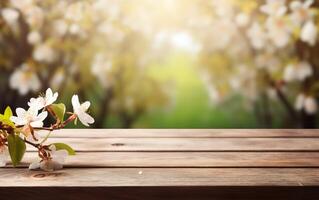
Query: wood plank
point(177, 133)
point(137, 177)
point(190, 144)
point(190, 159)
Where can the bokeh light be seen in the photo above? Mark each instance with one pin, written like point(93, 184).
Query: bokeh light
point(166, 64)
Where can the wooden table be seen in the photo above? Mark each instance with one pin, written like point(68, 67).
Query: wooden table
point(175, 164)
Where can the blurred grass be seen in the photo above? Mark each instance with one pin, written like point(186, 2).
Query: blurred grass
point(192, 108)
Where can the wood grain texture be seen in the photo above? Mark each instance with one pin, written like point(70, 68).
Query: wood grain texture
point(174, 164)
point(182, 133)
point(106, 177)
point(189, 159)
point(190, 144)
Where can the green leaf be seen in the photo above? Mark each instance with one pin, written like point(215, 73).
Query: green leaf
point(5, 118)
point(59, 110)
point(8, 113)
point(17, 148)
point(60, 146)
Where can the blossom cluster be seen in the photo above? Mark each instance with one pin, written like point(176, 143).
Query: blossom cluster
point(17, 131)
point(270, 47)
point(67, 44)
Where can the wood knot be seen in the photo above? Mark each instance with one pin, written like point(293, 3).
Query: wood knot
point(117, 144)
point(43, 175)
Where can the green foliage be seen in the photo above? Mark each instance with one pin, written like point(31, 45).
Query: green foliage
point(59, 110)
point(17, 148)
point(60, 146)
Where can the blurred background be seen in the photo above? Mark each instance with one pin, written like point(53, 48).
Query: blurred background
point(168, 63)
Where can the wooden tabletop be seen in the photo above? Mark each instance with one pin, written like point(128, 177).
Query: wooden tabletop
point(175, 164)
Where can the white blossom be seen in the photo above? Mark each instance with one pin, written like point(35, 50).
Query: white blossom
point(22, 5)
point(57, 78)
point(41, 102)
point(275, 8)
point(101, 68)
point(34, 16)
point(278, 31)
point(299, 103)
point(81, 110)
point(309, 33)
point(44, 53)
point(306, 103)
point(257, 36)
point(10, 16)
point(311, 106)
point(29, 117)
point(297, 72)
point(24, 80)
point(242, 19)
point(60, 27)
point(301, 11)
point(54, 162)
point(34, 37)
point(74, 12)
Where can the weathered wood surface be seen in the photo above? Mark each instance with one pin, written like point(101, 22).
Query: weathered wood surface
point(184, 133)
point(186, 159)
point(175, 164)
point(191, 144)
point(160, 177)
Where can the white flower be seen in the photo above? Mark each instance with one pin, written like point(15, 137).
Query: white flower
point(3, 155)
point(299, 103)
point(278, 31)
point(34, 16)
point(54, 162)
point(306, 103)
point(41, 102)
point(34, 37)
point(304, 70)
point(297, 72)
point(24, 80)
point(10, 16)
point(60, 27)
point(80, 110)
point(44, 53)
point(29, 117)
point(311, 106)
point(301, 12)
point(289, 73)
point(101, 68)
point(22, 5)
point(257, 36)
point(57, 78)
point(242, 19)
point(309, 33)
point(275, 8)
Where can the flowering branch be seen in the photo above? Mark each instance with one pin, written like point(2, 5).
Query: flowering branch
point(17, 131)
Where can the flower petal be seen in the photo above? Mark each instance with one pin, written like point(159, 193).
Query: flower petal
point(85, 119)
point(37, 124)
point(75, 102)
point(86, 105)
point(20, 112)
point(48, 93)
point(34, 165)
